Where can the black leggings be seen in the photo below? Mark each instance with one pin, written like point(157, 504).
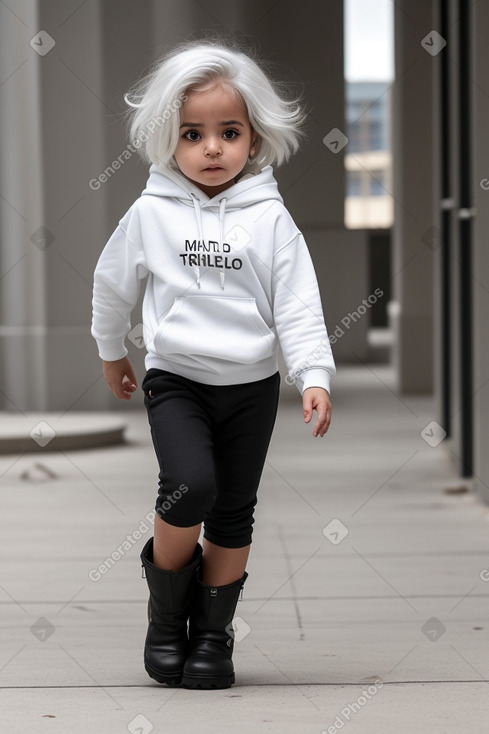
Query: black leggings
point(211, 443)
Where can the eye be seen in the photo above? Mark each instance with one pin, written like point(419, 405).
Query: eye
point(192, 135)
point(230, 134)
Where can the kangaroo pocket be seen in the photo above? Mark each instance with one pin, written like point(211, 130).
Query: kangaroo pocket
point(215, 327)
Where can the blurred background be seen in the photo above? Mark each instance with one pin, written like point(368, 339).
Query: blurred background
point(389, 190)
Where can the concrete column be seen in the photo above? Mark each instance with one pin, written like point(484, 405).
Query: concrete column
point(480, 93)
point(21, 262)
point(452, 50)
point(412, 311)
point(52, 113)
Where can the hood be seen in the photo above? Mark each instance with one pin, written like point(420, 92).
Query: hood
point(250, 189)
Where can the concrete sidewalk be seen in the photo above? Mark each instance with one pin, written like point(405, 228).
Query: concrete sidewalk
point(367, 600)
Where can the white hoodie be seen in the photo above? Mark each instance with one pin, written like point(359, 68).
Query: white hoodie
point(228, 278)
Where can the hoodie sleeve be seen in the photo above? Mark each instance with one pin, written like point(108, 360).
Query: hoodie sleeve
point(117, 277)
point(298, 318)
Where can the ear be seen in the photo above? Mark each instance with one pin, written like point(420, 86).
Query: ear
point(255, 143)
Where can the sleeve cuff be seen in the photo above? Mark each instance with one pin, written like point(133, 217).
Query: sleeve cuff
point(111, 351)
point(316, 378)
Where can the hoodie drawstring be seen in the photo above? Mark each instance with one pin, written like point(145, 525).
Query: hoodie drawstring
point(222, 212)
point(198, 216)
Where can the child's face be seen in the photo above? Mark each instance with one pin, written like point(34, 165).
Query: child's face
point(215, 139)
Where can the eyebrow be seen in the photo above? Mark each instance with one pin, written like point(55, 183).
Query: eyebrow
point(201, 124)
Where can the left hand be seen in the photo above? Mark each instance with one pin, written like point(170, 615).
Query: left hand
point(317, 398)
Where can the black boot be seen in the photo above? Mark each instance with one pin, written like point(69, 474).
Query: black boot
point(168, 610)
point(211, 636)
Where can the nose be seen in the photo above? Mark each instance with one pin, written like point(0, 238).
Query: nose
point(213, 146)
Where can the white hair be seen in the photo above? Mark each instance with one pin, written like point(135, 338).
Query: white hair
point(155, 103)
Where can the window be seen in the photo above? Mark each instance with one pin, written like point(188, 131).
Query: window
point(377, 187)
point(368, 78)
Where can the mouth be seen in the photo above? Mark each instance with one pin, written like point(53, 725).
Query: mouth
point(214, 168)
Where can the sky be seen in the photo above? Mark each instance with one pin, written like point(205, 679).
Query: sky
point(369, 54)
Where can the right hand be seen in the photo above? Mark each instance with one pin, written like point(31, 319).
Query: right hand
point(120, 377)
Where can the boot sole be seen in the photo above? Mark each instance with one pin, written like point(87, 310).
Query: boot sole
point(171, 679)
point(202, 683)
